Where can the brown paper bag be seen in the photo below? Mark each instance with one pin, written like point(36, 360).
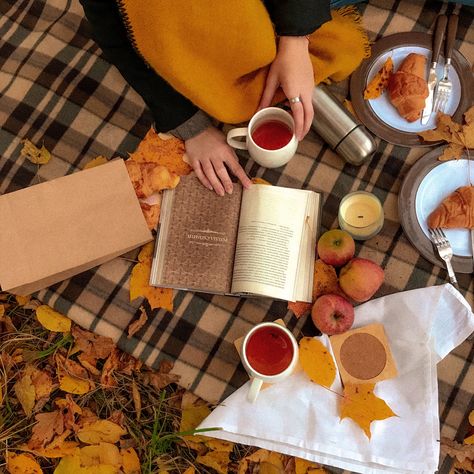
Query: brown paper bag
point(57, 229)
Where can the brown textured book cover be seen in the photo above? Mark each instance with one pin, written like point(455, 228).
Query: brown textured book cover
point(201, 238)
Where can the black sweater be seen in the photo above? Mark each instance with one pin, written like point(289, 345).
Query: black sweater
point(169, 108)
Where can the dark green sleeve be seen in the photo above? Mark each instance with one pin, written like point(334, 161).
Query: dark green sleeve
point(297, 17)
point(169, 108)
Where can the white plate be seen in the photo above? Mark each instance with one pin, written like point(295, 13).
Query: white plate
point(386, 112)
point(436, 186)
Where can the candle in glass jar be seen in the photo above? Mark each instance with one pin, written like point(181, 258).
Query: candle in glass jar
point(361, 215)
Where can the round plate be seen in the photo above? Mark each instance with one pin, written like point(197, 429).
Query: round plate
point(427, 183)
point(379, 116)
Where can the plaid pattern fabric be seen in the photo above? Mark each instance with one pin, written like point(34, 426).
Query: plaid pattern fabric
point(56, 88)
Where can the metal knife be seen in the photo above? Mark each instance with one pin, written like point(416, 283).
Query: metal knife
point(438, 36)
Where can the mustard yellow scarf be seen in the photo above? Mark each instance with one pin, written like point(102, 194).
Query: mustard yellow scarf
point(217, 53)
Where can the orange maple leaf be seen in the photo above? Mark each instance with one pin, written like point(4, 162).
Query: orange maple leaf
point(363, 406)
point(165, 150)
point(139, 286)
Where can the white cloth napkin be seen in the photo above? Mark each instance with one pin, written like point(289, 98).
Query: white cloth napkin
point(299, 418)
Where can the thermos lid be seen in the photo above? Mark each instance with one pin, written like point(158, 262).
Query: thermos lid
point(357, 146)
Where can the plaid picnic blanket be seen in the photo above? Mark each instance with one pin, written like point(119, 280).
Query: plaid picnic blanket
point(57, 88)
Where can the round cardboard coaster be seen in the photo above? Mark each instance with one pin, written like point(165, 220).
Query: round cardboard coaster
point(385, 127)
point(363, 356)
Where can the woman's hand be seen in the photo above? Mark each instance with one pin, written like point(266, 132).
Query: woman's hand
point(293, 72)
point(210, 156)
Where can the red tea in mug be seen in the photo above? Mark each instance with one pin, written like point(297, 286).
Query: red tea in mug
point(272, 135)
point(269, 350)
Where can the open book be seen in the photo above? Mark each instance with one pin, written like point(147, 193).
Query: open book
point(257, 241)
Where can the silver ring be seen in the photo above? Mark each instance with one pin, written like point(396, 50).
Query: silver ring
point(295, 100)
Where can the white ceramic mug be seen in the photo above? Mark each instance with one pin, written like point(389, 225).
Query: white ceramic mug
point(263, 156)
point(258, 378)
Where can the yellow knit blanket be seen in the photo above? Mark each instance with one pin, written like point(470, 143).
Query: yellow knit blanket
point(217, 53)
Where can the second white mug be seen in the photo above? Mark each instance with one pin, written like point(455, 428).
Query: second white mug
point(282, 141)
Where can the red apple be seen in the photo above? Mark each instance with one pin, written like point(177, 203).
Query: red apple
point(360, 279)
point(332, 314)
point(336, 247)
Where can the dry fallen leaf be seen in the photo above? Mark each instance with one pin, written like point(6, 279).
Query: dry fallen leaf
point(260, 181)
point(461, 452)
point(73, 465)
point(379, 82)
point(363, 406)
point(100, 431)
point(217, 460)
point(72, 377)
point(112, 363)
point(100, 160)
point(22, 464)
point(348, 105)
point(25, 392)
point(317, 362)
point(324, 280)
point(136, 325)
point(261, 456)
point(102, 453)
point(93, 346)
point(151, 214)
point(163, 149)
point(299, 308)
point(302, 466)
point(38, 156)
point(69, 409)
point(456, 135)
point(137, 399)
point(52, 320)
point(48, 425)
point(148, 178)
point(130, 461)
point(157, 297)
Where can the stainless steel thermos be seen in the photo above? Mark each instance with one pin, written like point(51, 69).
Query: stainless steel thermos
point(339, 129)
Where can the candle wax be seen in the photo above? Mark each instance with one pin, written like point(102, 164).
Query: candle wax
point(361, 214)
point(361, 211)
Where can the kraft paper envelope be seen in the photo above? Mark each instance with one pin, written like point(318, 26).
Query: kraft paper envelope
point(57, 229)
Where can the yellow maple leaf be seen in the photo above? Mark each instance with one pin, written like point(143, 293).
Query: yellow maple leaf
point(139, 286)
point(99, 160)
point(75, 385)
point(130, 461)
point(22, 464)
point(379, 82)
point(217, 460)
point(100, 431)
point(38, 156)
point(317, 362)
point(363, 406)
point(52, 320)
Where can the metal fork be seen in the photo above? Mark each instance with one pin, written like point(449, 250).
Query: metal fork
point(445, 251)
point(445, 86)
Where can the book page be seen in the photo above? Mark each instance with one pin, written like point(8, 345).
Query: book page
point(197, 236)
point(307, 256)
point(268, 241)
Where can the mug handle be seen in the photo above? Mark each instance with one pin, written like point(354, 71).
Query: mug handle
point(237, 132)
point(254, 389)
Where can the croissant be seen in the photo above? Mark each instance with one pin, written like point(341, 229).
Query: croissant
point(455, 211)
point(408, 89)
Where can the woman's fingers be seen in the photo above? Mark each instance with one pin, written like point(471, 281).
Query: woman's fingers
point(308, 113)
point(201, 176)
point(237, 170)
point(210, 174)
point(270, 88)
